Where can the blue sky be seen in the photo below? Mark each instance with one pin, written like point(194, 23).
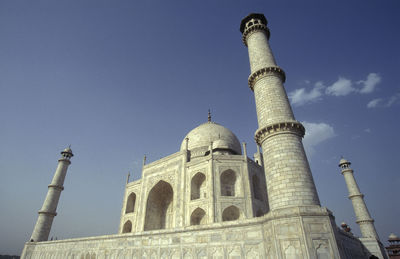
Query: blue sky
point(120, 79)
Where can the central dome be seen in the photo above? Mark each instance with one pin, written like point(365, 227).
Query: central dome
point(222, 138)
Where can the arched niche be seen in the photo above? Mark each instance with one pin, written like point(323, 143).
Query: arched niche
point(198, 186)
point(198, 217)
point(127, 227)
point(292, 253)
point(159, 207)
point(256, 188)
point(229, 183)
point(323, 252)
point(231, 213)
point(130, 204)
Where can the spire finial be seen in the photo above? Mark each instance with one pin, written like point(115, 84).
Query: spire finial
point(209, 115)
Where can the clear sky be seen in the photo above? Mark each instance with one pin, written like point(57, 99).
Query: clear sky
point(120, 79)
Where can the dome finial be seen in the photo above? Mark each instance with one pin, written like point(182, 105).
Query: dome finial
point(209, 115)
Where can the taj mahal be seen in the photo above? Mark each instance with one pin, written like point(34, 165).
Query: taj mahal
point(210, 200)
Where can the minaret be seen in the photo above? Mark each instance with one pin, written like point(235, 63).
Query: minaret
point(364, 219)
point(288, 174)
point(48, 211)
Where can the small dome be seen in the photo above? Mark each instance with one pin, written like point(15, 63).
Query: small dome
point(221, 137)
point(343, 161)
point(68, 150)
point(393, 237)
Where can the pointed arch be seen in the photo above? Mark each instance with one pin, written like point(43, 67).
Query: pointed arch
point(127, 227)
point(228, 181)
point(159, 207)
point(130, 204)
point(231, 213)
point(256, 188)
point(198, 217)
point(198, 186)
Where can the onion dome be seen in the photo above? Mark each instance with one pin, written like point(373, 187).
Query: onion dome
point(223, 139)
point(393, 237)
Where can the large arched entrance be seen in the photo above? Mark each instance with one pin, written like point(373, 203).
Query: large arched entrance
point(159, 207)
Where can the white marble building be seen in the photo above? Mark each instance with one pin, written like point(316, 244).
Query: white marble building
point(196, 186)
point(210, 200)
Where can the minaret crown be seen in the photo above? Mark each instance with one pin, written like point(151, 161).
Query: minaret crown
point(252, 19)
point(67, 153)
point(344, 164)
point(252, 23)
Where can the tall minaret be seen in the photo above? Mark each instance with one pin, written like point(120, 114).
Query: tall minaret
point(288, 174)
point(364, 219)
point(48, 211)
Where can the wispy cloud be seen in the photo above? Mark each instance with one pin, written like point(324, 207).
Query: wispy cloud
point(300, 96)
point(369, 85)
point(341, 87)
point(380, 102)
point(316, 133)
point(374, 103)
point(393, 99)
